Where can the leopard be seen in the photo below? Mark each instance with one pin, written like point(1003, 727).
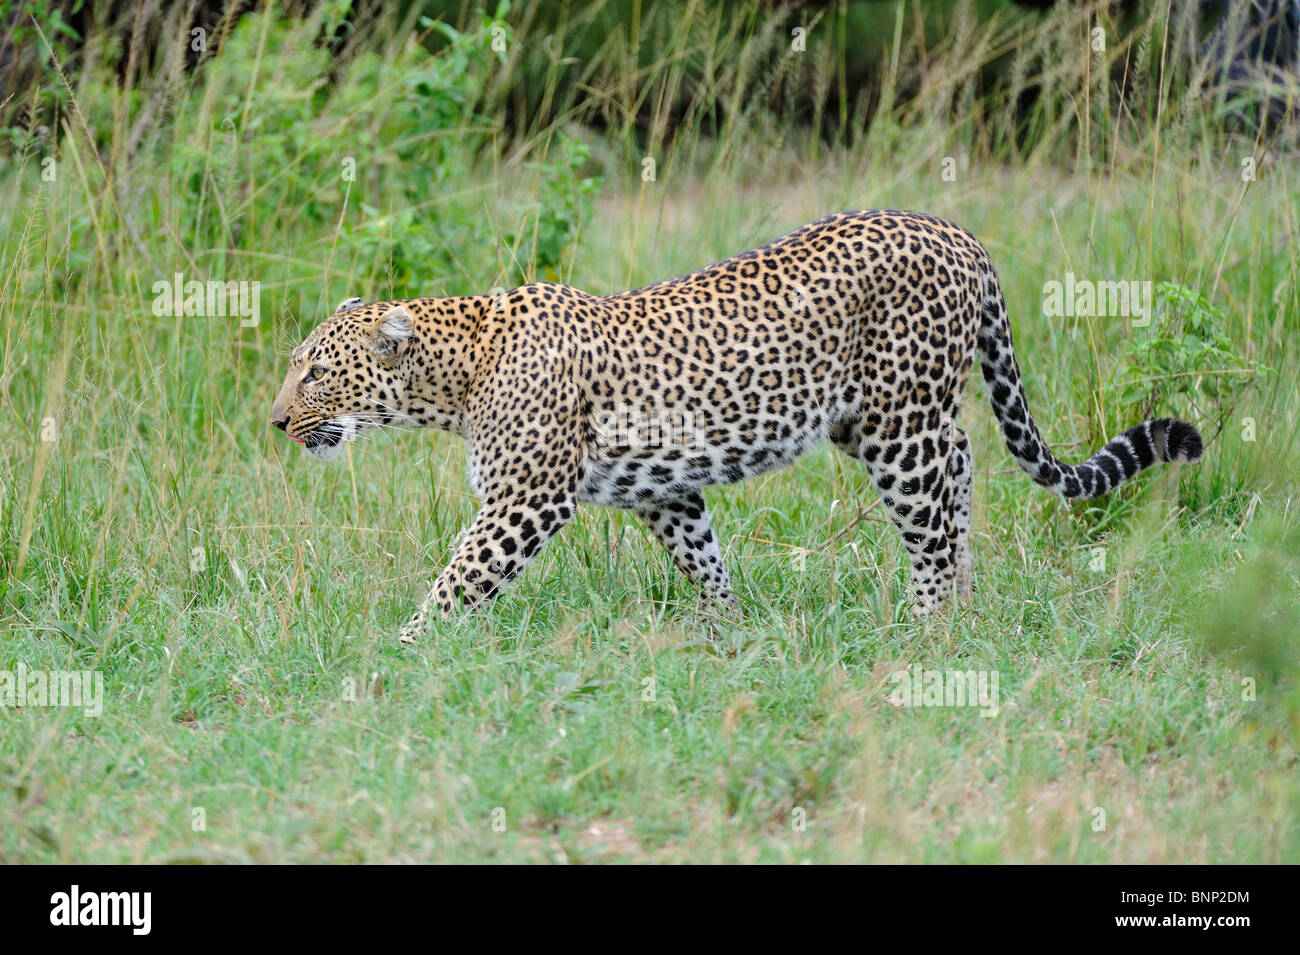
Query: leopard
point(859, 329)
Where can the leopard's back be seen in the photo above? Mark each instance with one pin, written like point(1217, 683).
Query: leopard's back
point(741, 366)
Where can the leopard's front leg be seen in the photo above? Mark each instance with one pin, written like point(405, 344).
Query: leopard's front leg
point(504, 537)
point(525, 438)
point(682, 525)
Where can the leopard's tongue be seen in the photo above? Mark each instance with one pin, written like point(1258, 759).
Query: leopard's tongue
point(294, 437)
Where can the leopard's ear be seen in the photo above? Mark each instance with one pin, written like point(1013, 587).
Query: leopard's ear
point(348, 303)
point(389, 331)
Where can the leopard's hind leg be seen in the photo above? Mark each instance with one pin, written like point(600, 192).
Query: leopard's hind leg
point(961, 469)
point(914, 473)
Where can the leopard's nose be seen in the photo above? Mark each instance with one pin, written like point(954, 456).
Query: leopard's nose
point(281, 423)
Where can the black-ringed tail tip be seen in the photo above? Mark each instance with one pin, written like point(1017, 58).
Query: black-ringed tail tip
point(1161, 440)
point(1183, 443)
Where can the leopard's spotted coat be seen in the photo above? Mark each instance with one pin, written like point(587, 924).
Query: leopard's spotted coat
point(860, 328)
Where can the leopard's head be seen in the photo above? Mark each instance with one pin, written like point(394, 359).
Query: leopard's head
point(346, 377)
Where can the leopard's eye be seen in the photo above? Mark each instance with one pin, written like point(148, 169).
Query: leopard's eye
point(315, 373)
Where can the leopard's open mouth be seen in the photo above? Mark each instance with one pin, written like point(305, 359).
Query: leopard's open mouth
point(324, 436)
point(324, 441)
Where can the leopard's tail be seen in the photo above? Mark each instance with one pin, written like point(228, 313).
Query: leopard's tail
point(1161, 439)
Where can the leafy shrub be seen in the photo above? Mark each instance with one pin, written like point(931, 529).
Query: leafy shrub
point(1184, 359)
point(565, 201)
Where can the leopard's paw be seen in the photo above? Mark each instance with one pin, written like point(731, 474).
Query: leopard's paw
point(412, 630)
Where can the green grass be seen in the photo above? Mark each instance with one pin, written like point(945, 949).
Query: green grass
point(593, 705)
